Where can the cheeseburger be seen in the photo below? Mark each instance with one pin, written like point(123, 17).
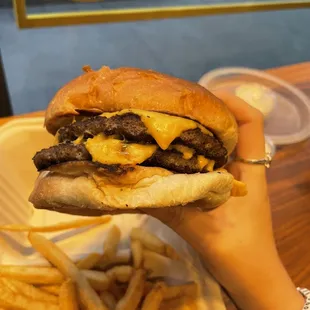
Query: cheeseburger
point(128, 138)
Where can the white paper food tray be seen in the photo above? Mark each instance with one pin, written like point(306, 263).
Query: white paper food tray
point(19, 141)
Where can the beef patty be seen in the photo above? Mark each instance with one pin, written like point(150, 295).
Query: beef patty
point(174, 161)
point(171, 159)
point(131, 127)
point(60, 153)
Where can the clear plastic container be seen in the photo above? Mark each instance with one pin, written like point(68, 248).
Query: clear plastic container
point(288, 119)
point(19, 141)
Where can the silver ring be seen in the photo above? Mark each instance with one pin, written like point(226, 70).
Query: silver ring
point(264, 161)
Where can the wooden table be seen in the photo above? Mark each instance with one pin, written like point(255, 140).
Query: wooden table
point(289, 187)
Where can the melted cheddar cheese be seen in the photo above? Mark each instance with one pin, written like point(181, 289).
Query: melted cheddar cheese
point(107, 150)
point(78, 140)
point(165, 128)
point(162, 127)
point(187, 152)
point(210, 165)
point(205, 163)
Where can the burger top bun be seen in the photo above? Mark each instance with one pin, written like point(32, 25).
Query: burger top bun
point(110, 90)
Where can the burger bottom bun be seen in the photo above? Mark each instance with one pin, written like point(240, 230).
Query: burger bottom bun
point(94, 191)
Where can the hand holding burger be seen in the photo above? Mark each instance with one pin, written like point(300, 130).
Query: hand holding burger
point(236, 239)
point(128, 139)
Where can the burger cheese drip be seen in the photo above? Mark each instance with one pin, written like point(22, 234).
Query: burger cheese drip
point(163, 128)
point(111, 151)
point(187, 152)
point(137, 137)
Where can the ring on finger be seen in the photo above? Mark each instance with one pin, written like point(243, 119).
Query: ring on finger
point(263, 161)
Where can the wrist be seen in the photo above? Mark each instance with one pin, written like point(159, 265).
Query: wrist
point(257, 282)
point(247, 266)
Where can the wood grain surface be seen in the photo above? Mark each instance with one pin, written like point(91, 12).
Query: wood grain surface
point(289, 188)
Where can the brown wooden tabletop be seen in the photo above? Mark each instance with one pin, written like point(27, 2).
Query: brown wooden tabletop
point(289, 188)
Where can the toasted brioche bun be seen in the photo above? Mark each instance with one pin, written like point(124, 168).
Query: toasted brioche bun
point(84, 188)
point(79, 188)
point(108, 90)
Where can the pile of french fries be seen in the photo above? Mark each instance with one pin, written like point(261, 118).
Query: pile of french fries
point(114, 279)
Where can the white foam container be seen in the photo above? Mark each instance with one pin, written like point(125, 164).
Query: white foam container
point(19, 141)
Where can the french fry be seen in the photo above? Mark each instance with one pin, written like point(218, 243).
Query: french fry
point(89, 261)
point(184, 303)
point(111, 243)
point(50, 275)
point(214, 293)
point(177, 291)
point(171, 252)
point(117, 290)
point(11, 300)
point(120, 273)
point(122, 285)
point(122, 258)
point(32, 275)
point(29, 291)
point(52, 289)
point(153, 243)
point(137, 253)
point(148, 240)
point(98, 280)
point(148, 287)
point(154, 298)
point(60, 226)
point(68, 296)
point(239, 189)
point(55, 256)
point(161, 266)
point(134, 292)
point(108, 299)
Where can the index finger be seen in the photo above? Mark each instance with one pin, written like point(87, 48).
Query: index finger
point(251, 142)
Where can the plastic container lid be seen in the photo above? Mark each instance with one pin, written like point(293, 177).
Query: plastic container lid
point(287, 116)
